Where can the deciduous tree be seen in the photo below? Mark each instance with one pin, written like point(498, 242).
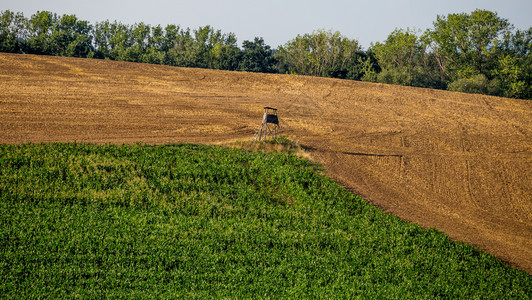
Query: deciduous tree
point(465, 44)
point(257, 57)
point(322, 53)
point(11, 31)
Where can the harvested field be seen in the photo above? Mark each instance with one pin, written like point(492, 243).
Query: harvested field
point(457, 162)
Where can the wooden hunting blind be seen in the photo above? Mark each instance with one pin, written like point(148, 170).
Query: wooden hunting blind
point(270, 126)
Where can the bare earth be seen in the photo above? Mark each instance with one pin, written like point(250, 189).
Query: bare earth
point(461, 163)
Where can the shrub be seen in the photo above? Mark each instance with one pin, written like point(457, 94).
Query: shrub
point(399, 76)
point(478, 84)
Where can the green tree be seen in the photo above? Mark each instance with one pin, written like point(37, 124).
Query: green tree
point(514, 68)
point(40, 28)
point(369, 67)
point(120, 39)
point(465, 44)
point(322, 53)
point(172, 40)
point(169, 37)
point(137, 51)
point(71, 37)
point(257, 57)
point(153, 52)
point(205, 47)
point(404, 60)
point(11, 31)
point(223, 52)
point(179, 42)
point(101, 34)
point(197, 54)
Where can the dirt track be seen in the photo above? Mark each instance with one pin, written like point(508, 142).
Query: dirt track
point(460, 163)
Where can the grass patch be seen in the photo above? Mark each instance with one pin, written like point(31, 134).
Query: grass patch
point(203, 221)
point(283, 145)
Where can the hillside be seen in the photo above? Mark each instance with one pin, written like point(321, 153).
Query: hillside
point(457, 162)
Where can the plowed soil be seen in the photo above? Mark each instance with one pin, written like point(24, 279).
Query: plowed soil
point(460, 163)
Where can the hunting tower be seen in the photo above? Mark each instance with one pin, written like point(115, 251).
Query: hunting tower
point(270, 126)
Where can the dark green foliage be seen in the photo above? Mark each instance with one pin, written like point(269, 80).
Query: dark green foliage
point(478, 84)
point(322, 53)
point(514, 69)
point(467, 43)
point(257, 57)
point(47, 33)
point(178, 221)
point(40, 28)
point(474, 53)
point(479, 52)
point(404, 60)
point(11, 29)
point(72, 37)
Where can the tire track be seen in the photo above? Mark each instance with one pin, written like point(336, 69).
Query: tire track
point(434, 175)
point(497, 115)
point(470, 195)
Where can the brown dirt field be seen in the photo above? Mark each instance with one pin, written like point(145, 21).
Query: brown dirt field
point(461, 163)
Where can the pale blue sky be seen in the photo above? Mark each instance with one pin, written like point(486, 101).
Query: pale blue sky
point(279, 21)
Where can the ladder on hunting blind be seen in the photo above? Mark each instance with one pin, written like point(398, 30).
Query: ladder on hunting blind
point(270, 126)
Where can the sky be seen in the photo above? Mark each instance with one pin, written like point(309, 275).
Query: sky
point(279, 21)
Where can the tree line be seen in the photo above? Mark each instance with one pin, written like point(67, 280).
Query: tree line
point(477, 52)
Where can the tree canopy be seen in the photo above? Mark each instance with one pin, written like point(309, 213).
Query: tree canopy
point(322, 53)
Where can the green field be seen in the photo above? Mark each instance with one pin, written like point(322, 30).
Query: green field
point(202, 221)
